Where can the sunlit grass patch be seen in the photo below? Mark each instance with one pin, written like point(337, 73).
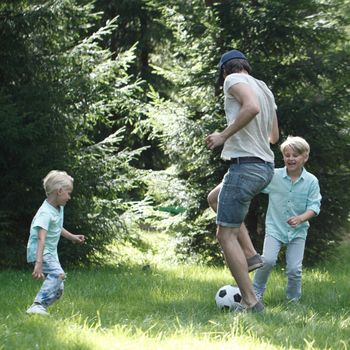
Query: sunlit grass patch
point(172, 307)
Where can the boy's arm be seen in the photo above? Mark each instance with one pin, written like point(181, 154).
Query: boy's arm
point(74, 238)
point(314, 197)
point(313, 205)
point(38, 267)
point(294, 221)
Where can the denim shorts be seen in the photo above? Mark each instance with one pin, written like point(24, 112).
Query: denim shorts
point(240, 185)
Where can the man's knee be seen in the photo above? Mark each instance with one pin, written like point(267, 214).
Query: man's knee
point(62, 276)
point(212, 201)
point(224, 234)
point(209, 200)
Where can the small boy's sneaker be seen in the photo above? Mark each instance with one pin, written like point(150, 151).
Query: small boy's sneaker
point(254, 262)
point(37, 309)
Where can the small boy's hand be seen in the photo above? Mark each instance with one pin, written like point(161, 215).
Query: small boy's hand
point(79, 239)
point(294, 221)
point(38, 272)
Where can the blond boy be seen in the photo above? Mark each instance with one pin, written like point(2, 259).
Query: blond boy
point(45, 232)
point(294, 198)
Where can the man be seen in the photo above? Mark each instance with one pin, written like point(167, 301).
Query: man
point(252, 122)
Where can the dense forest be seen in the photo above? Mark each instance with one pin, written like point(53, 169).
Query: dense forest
point(121, 95)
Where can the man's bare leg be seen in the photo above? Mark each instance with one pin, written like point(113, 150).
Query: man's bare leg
point(243, 236)
point(237, 263)
point(245, 242)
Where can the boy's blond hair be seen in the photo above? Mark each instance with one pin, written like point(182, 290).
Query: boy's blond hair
point(55, 180)
point(297, 144)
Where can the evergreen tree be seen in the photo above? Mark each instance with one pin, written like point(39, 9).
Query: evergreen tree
point(139, 25)
point(299, 49)
point(59, 92)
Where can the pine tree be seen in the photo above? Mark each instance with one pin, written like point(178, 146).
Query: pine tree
point(60, 92)
point(299, 50)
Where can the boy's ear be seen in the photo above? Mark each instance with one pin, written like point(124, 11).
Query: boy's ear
point(306, 158)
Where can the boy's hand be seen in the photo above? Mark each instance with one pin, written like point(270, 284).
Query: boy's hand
point(38, 271)
point(79, 239)
point(294, 221)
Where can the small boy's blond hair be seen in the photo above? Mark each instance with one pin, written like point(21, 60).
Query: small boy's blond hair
point(55, 180)
point(297, 144)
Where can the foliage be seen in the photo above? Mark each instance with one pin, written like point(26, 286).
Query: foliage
point(138, 24)
point(300, 50)
point(60, 94)
point(73, 97)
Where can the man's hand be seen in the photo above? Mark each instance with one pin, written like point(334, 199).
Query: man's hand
point(214, 140)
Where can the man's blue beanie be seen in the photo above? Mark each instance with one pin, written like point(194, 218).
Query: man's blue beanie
point(230, 55)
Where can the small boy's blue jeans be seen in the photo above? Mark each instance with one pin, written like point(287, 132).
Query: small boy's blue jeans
point(53, 285)
point(294, 260)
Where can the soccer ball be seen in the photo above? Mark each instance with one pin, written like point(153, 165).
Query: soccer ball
point(226, 296)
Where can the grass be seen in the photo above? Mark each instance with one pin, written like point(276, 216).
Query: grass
point(157, 304)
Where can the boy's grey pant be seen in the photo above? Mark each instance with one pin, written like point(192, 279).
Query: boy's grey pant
point(53, 285)
point(294, 260)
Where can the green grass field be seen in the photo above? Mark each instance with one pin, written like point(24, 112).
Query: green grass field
point(171, 306)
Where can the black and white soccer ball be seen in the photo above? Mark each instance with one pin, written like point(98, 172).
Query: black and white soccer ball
point(226, 296)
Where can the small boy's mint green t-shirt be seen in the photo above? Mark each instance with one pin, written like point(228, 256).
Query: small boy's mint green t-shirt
point(50, 219)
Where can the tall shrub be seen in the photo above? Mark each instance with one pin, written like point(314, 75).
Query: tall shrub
point(60, 94)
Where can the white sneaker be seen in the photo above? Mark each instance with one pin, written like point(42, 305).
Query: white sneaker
point(37, 309)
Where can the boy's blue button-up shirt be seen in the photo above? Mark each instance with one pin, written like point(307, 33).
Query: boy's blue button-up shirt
point(286, 199)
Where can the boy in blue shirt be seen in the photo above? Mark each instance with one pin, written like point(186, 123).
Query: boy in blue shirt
point(294, 198)
point(45, 232)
